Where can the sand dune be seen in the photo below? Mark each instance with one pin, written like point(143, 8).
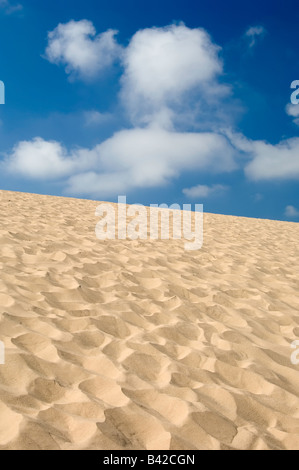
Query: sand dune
point(141, 344)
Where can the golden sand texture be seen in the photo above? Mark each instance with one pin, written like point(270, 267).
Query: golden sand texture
point(141, 344)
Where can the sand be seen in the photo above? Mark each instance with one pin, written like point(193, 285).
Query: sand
point(141, 344)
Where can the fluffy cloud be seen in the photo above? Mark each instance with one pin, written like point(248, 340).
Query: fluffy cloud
point(291, 212)
point(266, 161)
point(163, 64)
point(204, 191)
point(254, 33)
point(130, 159)
point(162, 68)
point(272, 162)
point(83, 52)
point(40, 159)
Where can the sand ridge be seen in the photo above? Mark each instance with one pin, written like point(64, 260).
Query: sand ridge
point(141, 344)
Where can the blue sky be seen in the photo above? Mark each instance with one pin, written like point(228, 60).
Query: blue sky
point(166, 102)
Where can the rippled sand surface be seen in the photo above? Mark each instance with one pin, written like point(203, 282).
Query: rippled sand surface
point(141, 344)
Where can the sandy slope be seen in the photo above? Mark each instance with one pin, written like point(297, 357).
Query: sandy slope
point(143, 345)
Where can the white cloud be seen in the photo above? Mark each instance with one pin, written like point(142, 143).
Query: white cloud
point(272, 162)
point(291, 212)
point(266, 161)
point(253, 33)
point(83, 53)
point(151, 157)
point(204, 191)
point(41, 159)
point(130, 159)
point(162, 65)
point(98, 184)
point(163, 68)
